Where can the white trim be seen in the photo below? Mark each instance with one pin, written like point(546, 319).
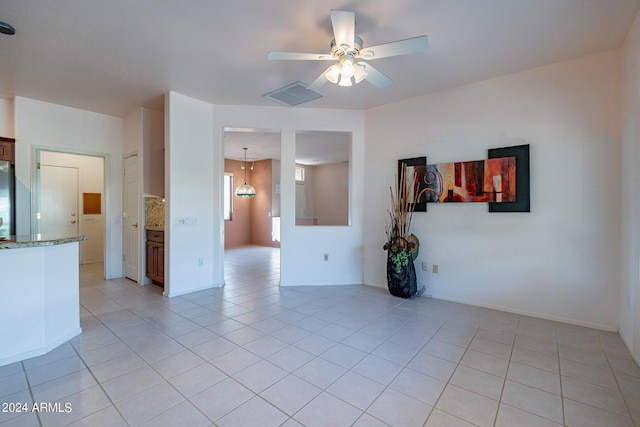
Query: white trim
point(42, 350)
point(530, 313)
point(514, 311)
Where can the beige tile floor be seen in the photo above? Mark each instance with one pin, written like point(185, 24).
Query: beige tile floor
point(254, 354)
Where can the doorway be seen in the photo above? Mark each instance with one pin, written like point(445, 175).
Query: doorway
point(70, 198)
point(252, 225)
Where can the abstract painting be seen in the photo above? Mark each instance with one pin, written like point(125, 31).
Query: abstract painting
point(416, 173)
point(492, 180)
point(522, 202)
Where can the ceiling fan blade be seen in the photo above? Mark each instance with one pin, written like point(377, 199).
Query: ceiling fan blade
point(375, 77)
point(321, 80)
point(344, 27)
point(400, 47)
point(300, 56)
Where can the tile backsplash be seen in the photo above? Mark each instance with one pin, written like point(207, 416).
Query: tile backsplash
point(154, 211)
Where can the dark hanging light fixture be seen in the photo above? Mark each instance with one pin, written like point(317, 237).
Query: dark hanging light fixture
point(245, 190)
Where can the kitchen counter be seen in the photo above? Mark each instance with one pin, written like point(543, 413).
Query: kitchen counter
point(154, 228)
point(36, 240)
point(39, 294)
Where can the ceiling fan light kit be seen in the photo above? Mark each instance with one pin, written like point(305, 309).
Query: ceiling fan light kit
point(347, 49)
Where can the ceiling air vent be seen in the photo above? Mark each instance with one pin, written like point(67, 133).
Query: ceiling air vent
point(294, 94)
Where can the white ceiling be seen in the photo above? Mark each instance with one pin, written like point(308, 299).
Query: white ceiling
point(114, 56)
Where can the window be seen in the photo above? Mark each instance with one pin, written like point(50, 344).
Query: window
point(228, 196)
point(299, 174)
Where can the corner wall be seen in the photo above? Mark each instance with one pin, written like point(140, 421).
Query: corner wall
point(630, 213)
point(261, 204)
point(7, 126)
point(561, 261)
point(331, 193)
point(237, 232)
point(191, 210)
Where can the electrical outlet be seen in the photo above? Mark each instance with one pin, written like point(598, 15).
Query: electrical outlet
point(326, 257)
point(435, 269)
point(425, 266)
point(200, 262)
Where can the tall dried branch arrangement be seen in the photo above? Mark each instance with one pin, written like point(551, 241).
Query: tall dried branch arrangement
point(398, 225)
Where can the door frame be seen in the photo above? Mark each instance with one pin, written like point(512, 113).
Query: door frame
point(35, 193)
point(223, 153)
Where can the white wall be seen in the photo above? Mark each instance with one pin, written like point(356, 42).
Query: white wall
point(331, 193)
point(630, 237)
point(49, 126)
point(275, 182)
point(7, 127)
point(154, 152)
point(561, 261)
point(91, 180)
point(302, 248)
point(190, 194)
point(309, 196)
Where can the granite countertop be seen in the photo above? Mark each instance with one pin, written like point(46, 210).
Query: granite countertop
point(151, 228)
point(37, 240)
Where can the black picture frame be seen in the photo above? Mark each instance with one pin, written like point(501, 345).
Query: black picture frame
point(419, 162)
point(523, 186)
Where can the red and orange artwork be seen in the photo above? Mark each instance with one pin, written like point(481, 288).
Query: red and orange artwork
point(492, 180)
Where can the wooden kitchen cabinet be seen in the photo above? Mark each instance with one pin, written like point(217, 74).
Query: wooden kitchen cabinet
point(7, 149)
point(155, 257)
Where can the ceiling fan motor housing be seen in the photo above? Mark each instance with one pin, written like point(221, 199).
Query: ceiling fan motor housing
point(338, 51)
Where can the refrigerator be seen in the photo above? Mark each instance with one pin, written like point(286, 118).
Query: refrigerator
point(7, 200)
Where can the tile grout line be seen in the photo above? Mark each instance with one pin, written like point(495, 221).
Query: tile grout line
point(452, 373)
point(145, 361)
point(186, 399)
point(99, 385)
point(615, 377)
point(33, 399)
point(506, 374)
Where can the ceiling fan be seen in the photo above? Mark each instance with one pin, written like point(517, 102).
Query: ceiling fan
point(350, 55)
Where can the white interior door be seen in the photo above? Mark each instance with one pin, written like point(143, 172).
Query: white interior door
point(130, 218)
point(58, 199)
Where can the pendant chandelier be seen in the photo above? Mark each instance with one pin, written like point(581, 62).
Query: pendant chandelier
point(245, 190)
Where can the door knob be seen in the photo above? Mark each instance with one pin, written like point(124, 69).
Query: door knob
point(73, 221)
point(73, 214)
point(134, 225)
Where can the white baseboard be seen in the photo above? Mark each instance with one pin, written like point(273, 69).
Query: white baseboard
point(531, 314)
point(43, 350)
point(636, 357)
